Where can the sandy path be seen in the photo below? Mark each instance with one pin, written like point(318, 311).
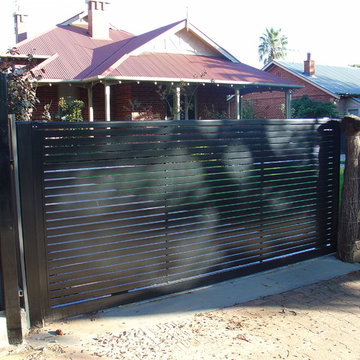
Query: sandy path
point(319, 321)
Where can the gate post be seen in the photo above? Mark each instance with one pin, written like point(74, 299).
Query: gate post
point(32, 222)
point(7, 227)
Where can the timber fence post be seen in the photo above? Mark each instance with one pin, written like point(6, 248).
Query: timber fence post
point(349, 224)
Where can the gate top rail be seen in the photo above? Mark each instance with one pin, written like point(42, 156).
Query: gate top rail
point(172, 123)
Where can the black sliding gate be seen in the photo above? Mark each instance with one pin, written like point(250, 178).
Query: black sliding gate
point(121, 211)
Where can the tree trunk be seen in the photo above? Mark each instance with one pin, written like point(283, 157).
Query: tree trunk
point(349, 222)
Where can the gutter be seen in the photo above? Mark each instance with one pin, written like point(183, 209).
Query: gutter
point(120, 79)
point(19, 56)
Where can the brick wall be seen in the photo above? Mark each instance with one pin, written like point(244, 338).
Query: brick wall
point(148, 98)
point(122, 96)
point(46, 95)
point(212, 98)
point(144, 95)
point(99, 102)
point(83, 95)
point(268, 104)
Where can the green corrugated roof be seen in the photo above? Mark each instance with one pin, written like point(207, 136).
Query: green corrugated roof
point(341, 80)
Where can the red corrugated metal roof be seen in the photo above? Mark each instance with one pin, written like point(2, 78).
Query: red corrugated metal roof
point(192, 67)
point(77, 52)
point(126, 48)
point(74, 55)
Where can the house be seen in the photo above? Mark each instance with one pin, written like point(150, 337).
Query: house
point(175, 71)
point(335, 84)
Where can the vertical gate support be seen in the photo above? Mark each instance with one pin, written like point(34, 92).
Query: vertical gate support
point(349, 225)
point(7, 227)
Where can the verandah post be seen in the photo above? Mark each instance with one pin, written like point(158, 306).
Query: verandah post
point(288, 104)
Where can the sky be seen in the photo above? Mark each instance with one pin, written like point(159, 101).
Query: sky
point(328, 29)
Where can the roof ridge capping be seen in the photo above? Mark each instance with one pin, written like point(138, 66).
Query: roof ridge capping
point(80, 19)
point(134, 45)
point(283, 62)
point(81, 15)
point(212, 43)
point(178, 26)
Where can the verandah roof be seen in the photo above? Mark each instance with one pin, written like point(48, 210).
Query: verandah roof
point(194, 69)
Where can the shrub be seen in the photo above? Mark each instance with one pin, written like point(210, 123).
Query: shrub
point(69, 110)
point(305, 107)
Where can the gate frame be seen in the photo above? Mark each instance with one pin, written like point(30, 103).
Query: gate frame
point(9, 262)
point(36, 258)
point(33, 226)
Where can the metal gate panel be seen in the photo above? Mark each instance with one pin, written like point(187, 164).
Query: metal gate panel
point(120, 211)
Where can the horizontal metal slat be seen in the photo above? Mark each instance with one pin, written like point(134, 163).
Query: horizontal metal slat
point(231, 264)
point(114, 286)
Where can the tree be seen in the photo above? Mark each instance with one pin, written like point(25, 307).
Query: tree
point(272, 46)
point(307, 108)
point(248, 110)
point(349, 225)
point(22, 80)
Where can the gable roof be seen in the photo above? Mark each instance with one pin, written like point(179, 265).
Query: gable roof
point(73, 56)
point(72, 50)
point(338, 80)
point(125, 49)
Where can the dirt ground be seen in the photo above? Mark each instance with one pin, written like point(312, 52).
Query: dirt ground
point(319, 321)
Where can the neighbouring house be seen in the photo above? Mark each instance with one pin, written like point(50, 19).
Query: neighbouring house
point(336, 84)
point(174, 71)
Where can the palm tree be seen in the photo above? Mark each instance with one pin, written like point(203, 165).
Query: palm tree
point(273, 45)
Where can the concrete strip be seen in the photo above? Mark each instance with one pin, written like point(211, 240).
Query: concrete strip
point(234, 291)
point(3, 330)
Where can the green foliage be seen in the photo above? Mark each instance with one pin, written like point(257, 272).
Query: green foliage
point(214, 114)
point(46, 115)
point(144, 112)
point(307, 108)
point(22, 80)
point(69, 110)
point(248, 110)
point(167, 93)
point(272, 45)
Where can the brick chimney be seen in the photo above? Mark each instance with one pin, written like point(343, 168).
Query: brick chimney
point(309, 66)
point(20, 27)
point(97, 19)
